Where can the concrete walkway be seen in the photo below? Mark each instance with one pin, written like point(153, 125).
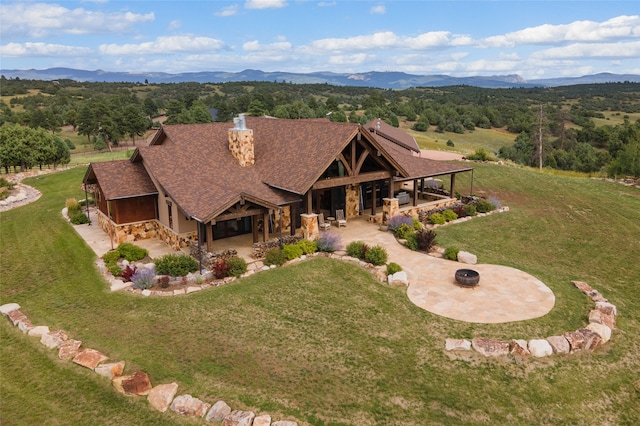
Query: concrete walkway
point(503, 295)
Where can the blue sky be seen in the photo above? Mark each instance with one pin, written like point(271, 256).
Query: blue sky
point(535, 39)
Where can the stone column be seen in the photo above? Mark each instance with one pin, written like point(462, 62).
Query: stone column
point(309, 226)
point(390, 208)
point(352, 201)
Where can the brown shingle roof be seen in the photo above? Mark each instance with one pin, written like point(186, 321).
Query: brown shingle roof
point(193, 165)
point(392, 134)
point(120, 179)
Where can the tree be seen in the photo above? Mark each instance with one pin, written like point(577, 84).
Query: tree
point(135, 123)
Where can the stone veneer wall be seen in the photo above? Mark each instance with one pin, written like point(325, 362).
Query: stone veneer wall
point(241, 146)
point(145, 230)
point(352, 207)
point(309, 226)
point(286, 219)
point(411, 210)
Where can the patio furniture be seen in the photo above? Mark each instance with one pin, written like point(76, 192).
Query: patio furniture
point(340, 218)
point(322, 224)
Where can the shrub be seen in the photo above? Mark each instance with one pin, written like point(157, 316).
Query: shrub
point(480, 155)
point(237, 266)
point(416, 224)
point(328, 242)
point(437, 219)
point(131, 252)
point(176, 265)
point(393, 267)
point(426, 239)
point(411, 242)
point(420, 126)
point(376, 255)
point(164, 281)
point(144, 278)
point(308, 247)
point(449, 215)
point(111, 257)
point(275, 257)
point(292, 251)
point(400, 219)
point(404, 231)
point(484, 206)
point(470, 210)
point(356, 249)
point(221, 269)
point(114, 270)
point(496, 203)
point(128, 272)
point(451, 253)
point(78, 218)
point(450, 143)
point(6, 184)
point(72, 206)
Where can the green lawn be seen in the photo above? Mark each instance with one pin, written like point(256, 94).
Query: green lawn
point(321, 341)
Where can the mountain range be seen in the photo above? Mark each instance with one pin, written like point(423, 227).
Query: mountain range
point(383, 80)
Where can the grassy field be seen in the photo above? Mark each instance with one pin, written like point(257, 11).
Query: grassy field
point(321, 342)
point(490, 139)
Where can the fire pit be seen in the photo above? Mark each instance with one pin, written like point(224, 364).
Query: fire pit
point(467, 277)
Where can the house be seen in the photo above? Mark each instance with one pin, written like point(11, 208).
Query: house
point(204, 182)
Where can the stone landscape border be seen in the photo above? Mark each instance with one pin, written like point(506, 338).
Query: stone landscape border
point(602, 321)
point(161, 397)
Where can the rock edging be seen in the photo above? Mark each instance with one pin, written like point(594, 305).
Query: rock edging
point(192, 284)
point(602, 321)
point(161, 397)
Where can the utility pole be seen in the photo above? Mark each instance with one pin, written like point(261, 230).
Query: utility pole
point(540, 120)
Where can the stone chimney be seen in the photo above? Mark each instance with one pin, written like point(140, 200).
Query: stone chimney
point(241, 142)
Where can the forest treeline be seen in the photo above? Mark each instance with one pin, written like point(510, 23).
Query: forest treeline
point(552, 127)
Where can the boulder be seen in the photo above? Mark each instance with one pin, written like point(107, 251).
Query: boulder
point(399, 278)
point(284, 423)
point(16, 317)
point(218, 412)
point(239, 418)
point(607, 308)
point(582, 286)
point(457, 345)
point(8, 307)
point(160, 396)
point(262, 420)
point(540, 348)
point(110, 370)
point(25, 326)
point(602, 330)
point(518, 348)
point(582, 339)
point(137, 383)
point(53, 339)
point(193, 289)
point(490, 347)
point(89, 358)
point(599, 317)
point(117, 285)
point(69, 349)
point(189, 406)
point(146, 292)
point(468, 258)
point(38, 330)
point(559, 344)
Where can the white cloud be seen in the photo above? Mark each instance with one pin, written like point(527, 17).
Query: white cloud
point(42, 49)
point(621, 27)
point(389, 40)
point(265, 4)
point(357, 59)
point(164, 45)
point(379, 9)
point(594, 50)
point(41, 19)
point(256, 46)
point(228, 11)
point(175, 24)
